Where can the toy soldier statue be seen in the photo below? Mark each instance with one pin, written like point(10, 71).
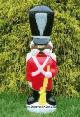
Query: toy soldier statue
point(40, 61)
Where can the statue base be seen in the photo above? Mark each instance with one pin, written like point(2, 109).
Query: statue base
point(37, 108)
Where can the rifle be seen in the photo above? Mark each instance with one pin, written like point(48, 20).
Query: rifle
point(42, 92)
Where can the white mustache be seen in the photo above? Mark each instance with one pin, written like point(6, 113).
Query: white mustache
point(34, 52)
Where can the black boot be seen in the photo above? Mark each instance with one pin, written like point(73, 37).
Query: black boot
point(50, 99)
point(34, 98)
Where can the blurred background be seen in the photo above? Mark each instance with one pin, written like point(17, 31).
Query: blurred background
point(15, 37)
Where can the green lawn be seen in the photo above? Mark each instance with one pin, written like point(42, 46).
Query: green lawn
point(13, 105)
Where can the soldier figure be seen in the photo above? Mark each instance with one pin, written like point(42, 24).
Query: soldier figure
point(40, 61)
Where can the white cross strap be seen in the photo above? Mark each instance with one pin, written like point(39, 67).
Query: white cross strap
point(40, 67)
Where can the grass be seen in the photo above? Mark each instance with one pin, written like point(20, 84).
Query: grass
point(13, 105)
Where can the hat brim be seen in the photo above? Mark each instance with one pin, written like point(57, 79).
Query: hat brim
point(41, 41)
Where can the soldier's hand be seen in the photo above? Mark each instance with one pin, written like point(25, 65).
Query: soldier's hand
point(48, 74)
point(30, 84)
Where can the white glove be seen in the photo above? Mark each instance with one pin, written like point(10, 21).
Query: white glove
point(48, 74)
point(30, 84)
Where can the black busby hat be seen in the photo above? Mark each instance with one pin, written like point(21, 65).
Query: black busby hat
point(41, 21)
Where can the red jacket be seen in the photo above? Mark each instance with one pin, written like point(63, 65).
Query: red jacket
point(37, 81)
